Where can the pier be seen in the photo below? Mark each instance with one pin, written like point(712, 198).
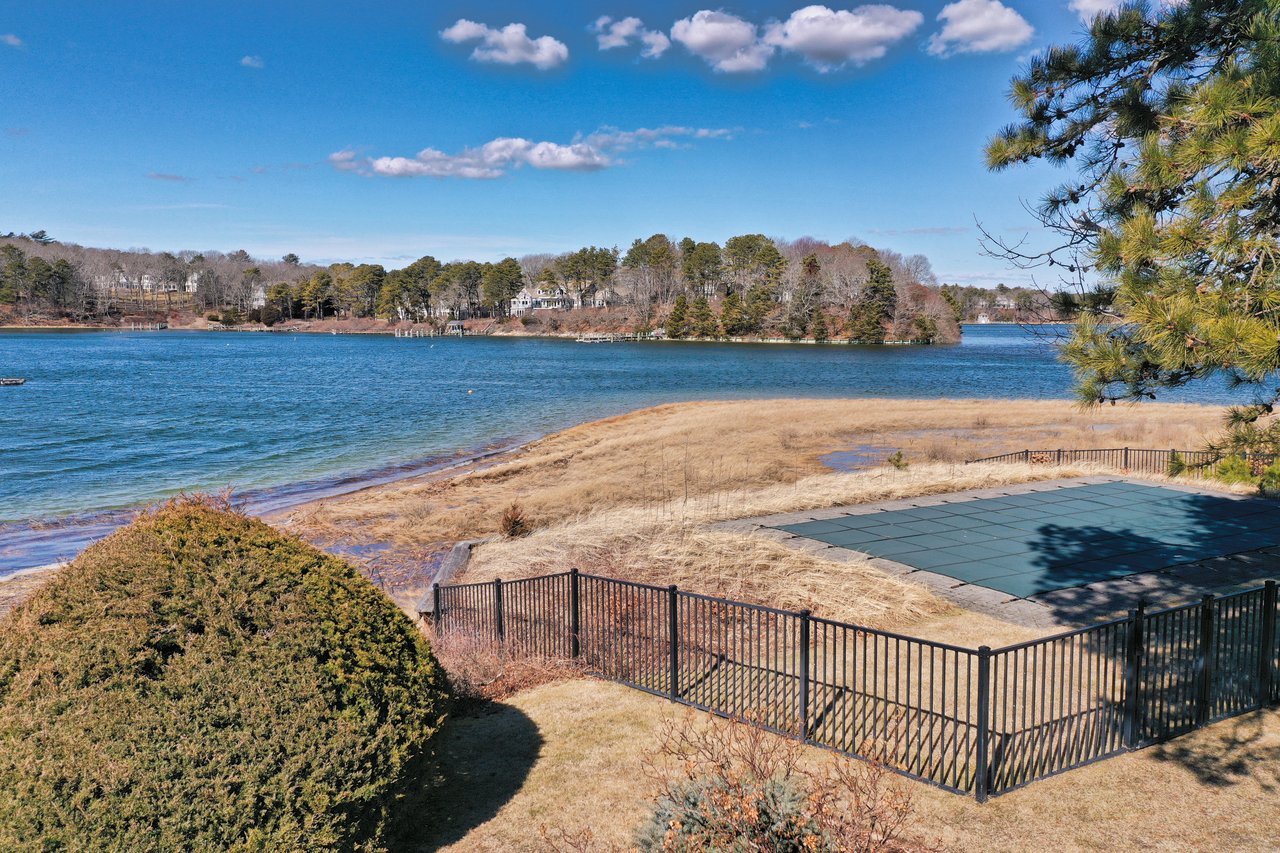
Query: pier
point(611, 338)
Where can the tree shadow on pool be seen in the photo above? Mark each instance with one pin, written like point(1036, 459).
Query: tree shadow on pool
point(481, 762)
point(1071, 558)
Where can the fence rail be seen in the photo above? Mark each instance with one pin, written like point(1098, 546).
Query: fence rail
point(973, 721)
point(1144, 460)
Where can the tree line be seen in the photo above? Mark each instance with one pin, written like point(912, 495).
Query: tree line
point(750, 285)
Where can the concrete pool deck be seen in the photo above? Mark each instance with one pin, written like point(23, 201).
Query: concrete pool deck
point(1052, 554)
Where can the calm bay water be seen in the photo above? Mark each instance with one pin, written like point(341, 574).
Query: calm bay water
point(111, 420)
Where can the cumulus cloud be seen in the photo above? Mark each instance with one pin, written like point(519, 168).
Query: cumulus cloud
point(726, 42)
point(829, 39)
point(979, 26)
point(611, 34)
point(497, 157)
point(11, 40)
point(252, 62)
point(510, 45)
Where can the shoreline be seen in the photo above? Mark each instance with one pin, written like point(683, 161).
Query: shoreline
point(387, 329)
point(395, 522)
point(270, 503)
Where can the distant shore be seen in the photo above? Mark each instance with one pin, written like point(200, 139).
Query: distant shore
point(507, 329)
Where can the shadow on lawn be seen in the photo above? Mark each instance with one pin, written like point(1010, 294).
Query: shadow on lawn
point(481, 762)
point(1230, 752)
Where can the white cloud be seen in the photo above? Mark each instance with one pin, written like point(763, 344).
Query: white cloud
point(828, 39)
point(11, 40)
point(612, 34)
point(979, 26)
point(253, 62)
point(510, 45)
point(497, 157)
point(1090, 9)
point(655, 44)
point(727, 43)
point(345, 160)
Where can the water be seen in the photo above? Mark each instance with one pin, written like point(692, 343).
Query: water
point(111, 420)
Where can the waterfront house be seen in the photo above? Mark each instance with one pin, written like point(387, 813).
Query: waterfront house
point(541, 299)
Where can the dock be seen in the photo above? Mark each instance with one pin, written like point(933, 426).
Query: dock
point(610, 338)
point(416, 333)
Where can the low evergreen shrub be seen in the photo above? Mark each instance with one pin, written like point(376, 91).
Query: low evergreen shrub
point(1269, 482)
point(200, 681)
point(1234, 469)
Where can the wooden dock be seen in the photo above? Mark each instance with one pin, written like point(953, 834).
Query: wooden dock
point(610, 338)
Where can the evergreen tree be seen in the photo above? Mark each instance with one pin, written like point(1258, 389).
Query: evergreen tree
point(759, 303)
point(702, 323)
point(876, 305)
point(501, 283)
point(1170, 115)
point(818, 328)
point(701, 266)
point(926, 330)
point(677, 325)
point(733, 316)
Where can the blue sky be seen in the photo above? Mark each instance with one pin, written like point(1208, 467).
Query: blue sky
point(345, 131)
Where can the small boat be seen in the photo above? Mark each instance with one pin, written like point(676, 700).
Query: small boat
point(12, 381)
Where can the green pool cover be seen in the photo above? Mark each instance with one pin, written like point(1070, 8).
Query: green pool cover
point(1042, 541)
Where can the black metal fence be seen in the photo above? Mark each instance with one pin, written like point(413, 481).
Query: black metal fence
point(1139, 459)
point(974, 721)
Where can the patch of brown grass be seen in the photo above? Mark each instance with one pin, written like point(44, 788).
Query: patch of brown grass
point(680, 452)
point(576, 752)
point(671, 543)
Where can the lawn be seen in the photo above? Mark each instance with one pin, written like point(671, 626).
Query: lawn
point(569, 756)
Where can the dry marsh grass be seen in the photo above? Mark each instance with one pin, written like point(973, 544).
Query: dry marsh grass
point(683, 451)
point(671, 543)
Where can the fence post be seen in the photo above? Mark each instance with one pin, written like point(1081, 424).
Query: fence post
point(980, 778)
point(1133, 675)
point(1266, 644)
point(497, 610)
point(437, 612)
point(1204, 687)
point(575, 616)
point(804, 674)
point(1026, 457)
point(673, 633)
point(1125, 466)
point(1059, 455)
